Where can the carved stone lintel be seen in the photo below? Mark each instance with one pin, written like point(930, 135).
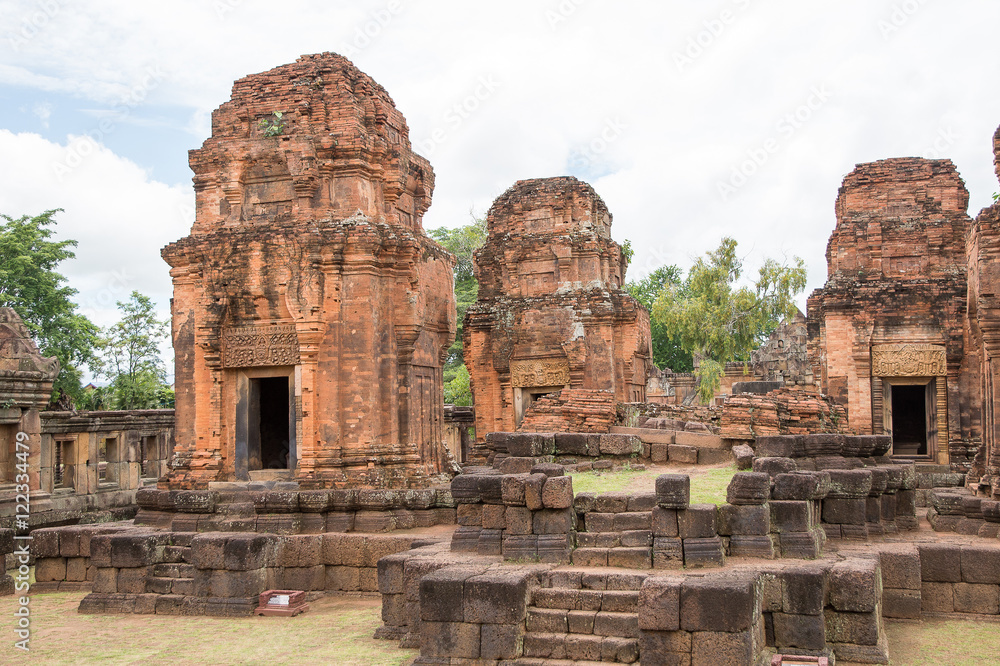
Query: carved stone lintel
point(259, 346)
point(548, 372)
point(909, 360)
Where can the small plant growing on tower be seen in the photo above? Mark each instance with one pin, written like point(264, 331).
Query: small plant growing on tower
point(273, 125)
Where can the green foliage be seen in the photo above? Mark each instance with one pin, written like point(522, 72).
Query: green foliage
point(667, 349)
point(996, 196)
point(30, 284)
point(272, 126)
point(721, 321)
point(457, 387)
point(131, 357)
point(709, 375)
point(463, 243)
point(627, 252)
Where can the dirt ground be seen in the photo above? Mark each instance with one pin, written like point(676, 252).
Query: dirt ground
point(337, 629)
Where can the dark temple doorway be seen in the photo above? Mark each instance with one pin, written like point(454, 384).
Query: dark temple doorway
point(909, 420)
point(269, 432)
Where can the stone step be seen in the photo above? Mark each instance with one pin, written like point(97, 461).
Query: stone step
point(173, 570)
point(176, 554)
point(567, 599)
point(582, 622)
point(579, 648)
point(163, 585)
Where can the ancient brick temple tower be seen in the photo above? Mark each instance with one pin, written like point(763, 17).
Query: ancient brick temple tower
point(311, 312)
point(551, 313)
point(887, 331)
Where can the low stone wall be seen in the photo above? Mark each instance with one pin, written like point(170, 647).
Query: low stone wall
point(479, 609)
point(135, 570)
point(10, 561)
point(236, 508)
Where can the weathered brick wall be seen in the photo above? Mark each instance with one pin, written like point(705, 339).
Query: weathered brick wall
point(896, 275)
point(308, 260)
point(551, 313)
point(571, 410)
point(983, 251)
point(781, 412)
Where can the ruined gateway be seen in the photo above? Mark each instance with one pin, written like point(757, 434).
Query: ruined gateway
point(311, 317)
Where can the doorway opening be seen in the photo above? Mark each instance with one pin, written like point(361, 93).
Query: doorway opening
point(909, 420)
point(269, 424)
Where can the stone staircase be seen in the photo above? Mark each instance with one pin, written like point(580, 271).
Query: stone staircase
point(585, 617)
point(175, 572)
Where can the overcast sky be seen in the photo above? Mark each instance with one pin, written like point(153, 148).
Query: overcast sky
point(693, 120)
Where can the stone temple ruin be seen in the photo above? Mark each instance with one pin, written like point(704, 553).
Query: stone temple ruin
point(311, 318)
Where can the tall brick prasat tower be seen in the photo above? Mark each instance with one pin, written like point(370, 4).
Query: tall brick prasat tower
point(551, 312)
point(887, 332)
point(311, 313)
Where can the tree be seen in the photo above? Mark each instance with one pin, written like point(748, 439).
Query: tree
point(714, 318)
point(131, 357)
point(30, 284)
point(667, 350)
point(462, 242)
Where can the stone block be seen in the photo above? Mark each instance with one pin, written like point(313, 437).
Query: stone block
point(792, 516)
point(637, 539)
point(822, 444)
point(620, 445)
point(512, 488)
point(439, 591)
point(533, 487)
point(630, 558)
point(50, 569)
point(470, 515)
point(621, 625)
point(749, 488)
point(981, 564)
point(668, 553)
point(557, 493)
point(455, 640)
point(583, 648)
point(549, 469)
point(937, 597)
point(673, 491)
point(744, 457)
point(805, 545)
point(500, 642)
point(522, 547)
point(301, 578)
point(800, 486)
point(976, 598)
point(496, 597)
point(343, 579)
point(132, 550)
point(854, 628)
point(698, 521)
point(659, 453)
point(842, 511)
point(494, 516)
point(711, 648)
point(774, 466)
point(664, 522)
point(620, 650)
point(804, 589)
point(900, 566)
point(779, 446)
point(581, 622)
point(630, 521)
point(530, 445)
point(195, 501)
point(641, 502)
point(578, 444)
point(590, 557)
point(684, 455)
point(465, 489)
point(517, 521)
point(243, 552)
point(703, 552)
point(903, 604)
point(760, 546)
point(672, 648)
point(850, 483)
point(806, 632)
point(340, 522)
point(659, 604)
point(516, 465)
point(614, 502)
point(940, 563)
point(553, 521)
point(855, 586)
point(746, 520)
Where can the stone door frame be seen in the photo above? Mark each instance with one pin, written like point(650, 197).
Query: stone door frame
point(245, 411)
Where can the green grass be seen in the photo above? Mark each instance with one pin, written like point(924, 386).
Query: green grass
point(937, 642)
point(708, 487)
point(609, 481)
point(334, 631)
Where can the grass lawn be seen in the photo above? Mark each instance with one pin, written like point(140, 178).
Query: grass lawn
point(336, 630)
point(938, 642)
point(708, 483)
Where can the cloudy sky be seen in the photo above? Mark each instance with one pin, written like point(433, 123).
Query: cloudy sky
point(694, 120)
